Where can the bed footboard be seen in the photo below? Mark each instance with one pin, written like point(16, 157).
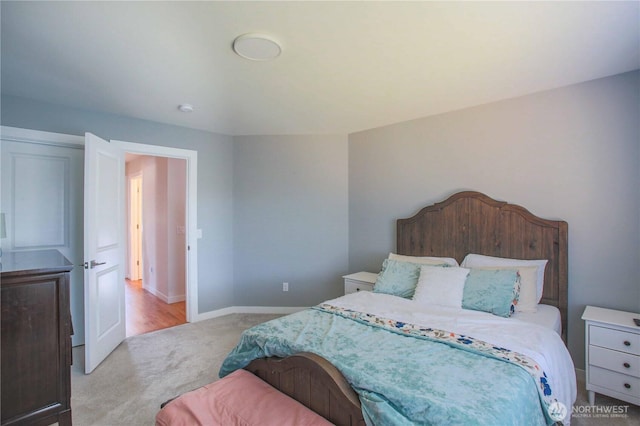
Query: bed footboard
point(314, 382)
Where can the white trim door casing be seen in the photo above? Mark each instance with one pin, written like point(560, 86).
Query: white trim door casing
point(191, 215)
point(104, 250)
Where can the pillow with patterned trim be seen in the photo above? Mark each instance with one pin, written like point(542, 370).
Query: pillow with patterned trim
point(492, 290)
point(527, 299)
point(479, 260)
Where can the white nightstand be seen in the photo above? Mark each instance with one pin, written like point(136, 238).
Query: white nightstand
point(360, 281)
point(612, 354)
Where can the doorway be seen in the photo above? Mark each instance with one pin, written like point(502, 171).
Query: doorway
point(135, 226)
point(105, 174)
point(155, 285)
point(58, 159)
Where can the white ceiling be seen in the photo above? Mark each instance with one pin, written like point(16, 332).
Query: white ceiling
point(345, 66)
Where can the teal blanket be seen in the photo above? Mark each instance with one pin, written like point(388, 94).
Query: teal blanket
point(401, 379)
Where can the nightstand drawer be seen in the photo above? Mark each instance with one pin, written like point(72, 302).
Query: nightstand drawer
point(617, 382)
point(353, 286)
point(614, 339)
point(613, 360)
point(612, 343)
point(360, 281)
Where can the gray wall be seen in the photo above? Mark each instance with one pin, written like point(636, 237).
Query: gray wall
point(293, 208)
point(285, 219)
point(215, 178)
point(572, 153)
point(290, 219)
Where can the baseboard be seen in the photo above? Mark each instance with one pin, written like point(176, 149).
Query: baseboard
point(248, 310)
point(175, 299)
point(160, 295)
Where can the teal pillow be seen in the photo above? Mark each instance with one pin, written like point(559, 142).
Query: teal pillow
point(492, 290)
point(398, 278)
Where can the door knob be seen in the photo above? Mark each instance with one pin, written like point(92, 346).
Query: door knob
point(93, 264)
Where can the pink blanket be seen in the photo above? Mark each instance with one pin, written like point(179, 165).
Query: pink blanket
point(240, 399)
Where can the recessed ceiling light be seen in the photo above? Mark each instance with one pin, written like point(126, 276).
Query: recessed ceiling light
point(256, 47)
point(185, 107)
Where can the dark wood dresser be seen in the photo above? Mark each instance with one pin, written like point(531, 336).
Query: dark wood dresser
point(36, 338)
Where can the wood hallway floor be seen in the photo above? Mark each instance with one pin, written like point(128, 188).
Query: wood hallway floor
point(146, 312)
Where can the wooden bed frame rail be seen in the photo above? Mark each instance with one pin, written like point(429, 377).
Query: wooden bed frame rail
point(315, 382)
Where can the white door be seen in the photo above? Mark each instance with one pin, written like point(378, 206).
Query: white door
point(104, 236)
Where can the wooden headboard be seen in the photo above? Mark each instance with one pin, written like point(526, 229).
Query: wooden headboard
point(471, 222)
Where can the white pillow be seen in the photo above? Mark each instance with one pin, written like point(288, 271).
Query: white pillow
point(479, 260)
point(425, 260)
point(440, 286)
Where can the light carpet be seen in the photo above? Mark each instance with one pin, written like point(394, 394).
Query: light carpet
point(146, 370)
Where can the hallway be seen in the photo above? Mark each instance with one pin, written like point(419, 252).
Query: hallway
point(146, 312)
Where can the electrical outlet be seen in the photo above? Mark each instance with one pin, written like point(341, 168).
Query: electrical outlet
point(285, 286)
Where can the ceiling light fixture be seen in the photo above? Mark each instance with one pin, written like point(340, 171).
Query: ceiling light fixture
point(185, 107)
point(256, 47)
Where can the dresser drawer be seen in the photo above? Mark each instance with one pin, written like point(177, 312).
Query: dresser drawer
point(616, 382)
point(614, 339)
point(351, 286)
point(613, 360)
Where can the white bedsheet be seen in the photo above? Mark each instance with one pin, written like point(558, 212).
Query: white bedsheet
point(546, 316)
point(539, 342)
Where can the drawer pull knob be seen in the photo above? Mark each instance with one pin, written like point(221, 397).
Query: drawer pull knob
point(627, 385)
point(626, 365)
point(627, 343)
point(357, 289)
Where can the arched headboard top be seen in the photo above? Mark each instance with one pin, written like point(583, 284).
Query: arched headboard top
point(472, 222)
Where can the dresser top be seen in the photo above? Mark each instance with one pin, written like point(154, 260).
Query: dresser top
point(611, 317)
point(32, 262)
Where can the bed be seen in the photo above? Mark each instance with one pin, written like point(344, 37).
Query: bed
point(373, 358)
